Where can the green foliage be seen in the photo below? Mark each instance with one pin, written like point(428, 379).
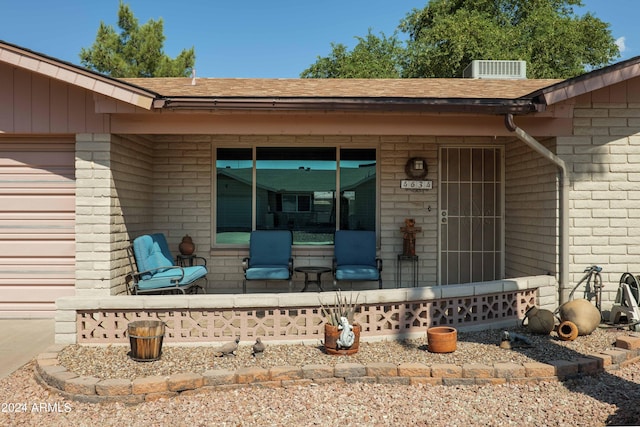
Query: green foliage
point(136, 51)
point(373, 57)
point(342, 307)
point(446, 35)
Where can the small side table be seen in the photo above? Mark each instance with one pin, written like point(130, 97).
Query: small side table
point(308, 270)
point(186, 260)
point(414, 268)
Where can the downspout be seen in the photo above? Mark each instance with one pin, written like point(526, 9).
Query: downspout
point(564, 197)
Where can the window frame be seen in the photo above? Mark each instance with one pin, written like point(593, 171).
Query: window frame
point(254, 188)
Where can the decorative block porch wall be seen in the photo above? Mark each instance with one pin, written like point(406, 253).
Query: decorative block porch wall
point(296, 317)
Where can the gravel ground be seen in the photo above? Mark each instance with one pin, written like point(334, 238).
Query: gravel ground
point(611, 398)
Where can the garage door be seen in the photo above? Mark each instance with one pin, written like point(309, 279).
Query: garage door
point(37, 236)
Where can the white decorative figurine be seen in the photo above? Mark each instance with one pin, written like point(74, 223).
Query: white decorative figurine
point(347, 336)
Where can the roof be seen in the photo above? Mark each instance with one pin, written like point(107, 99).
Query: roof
point(483, 96)
point(342, 88)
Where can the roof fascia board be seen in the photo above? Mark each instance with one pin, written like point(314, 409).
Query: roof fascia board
point(74, 75)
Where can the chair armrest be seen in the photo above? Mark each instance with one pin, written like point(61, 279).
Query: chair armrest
point(203, 259)
point(245, 263)
point(379, 264)
point(152, 272)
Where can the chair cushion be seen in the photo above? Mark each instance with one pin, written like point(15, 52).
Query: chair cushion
point(355, 247)
point(152, 252)
point(357, 272)
point(267, 272)
point(167, 278)
point(270, 248)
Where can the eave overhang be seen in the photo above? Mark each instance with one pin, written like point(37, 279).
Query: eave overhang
point(72, 74)
point(589, 82)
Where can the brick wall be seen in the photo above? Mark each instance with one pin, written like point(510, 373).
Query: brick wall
point(531, 209)
point(604, 154)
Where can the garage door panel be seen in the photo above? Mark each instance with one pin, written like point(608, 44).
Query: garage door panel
point(37, 225)
point(35, 293)
point(36, 203)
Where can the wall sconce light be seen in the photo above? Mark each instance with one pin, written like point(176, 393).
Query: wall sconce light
point(416, 168)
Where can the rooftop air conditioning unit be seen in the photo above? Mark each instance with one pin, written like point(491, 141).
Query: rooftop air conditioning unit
point(483, 69)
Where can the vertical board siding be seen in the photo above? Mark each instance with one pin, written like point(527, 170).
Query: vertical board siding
point(32, 103)
point(37, 225)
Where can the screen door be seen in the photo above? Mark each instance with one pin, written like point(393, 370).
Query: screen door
point(471, 214)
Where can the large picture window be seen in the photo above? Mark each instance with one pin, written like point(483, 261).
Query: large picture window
point(311, 191)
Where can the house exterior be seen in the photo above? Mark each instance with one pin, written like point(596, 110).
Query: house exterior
point(517, 186)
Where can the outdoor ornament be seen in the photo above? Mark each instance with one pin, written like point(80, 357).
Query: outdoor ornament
point(512, 340)
point(347, 336)
point(228, 349)
point(186, 246)
point(409, 230)
point(541, 321)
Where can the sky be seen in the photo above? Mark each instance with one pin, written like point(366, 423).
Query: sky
point(246, 38)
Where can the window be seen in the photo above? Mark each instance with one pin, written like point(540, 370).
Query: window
point(294, 189)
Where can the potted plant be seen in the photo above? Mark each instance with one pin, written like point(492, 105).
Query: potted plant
point(341, 333)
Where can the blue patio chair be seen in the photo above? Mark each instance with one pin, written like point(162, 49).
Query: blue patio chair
point(154, 271)
point(355, 257)
point(269, 257)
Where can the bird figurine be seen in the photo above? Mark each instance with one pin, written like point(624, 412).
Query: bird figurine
point(258, 348)
point(228, 349)
point(513, 340)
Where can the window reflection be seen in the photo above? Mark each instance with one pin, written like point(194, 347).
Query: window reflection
point(295, 189)
point(357, 189)
point(234, 170)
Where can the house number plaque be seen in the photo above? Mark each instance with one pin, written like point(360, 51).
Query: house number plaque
point(416, 185)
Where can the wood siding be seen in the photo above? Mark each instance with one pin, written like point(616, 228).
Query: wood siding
point(37, 225)
point(32, 103)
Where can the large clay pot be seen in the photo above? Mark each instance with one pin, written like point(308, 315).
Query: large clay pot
point(331, 335)
point(582, 313)
point(539, 321)
point(442, 339)
point(187, 247)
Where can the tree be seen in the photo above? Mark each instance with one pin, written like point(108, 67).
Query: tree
point(446, 35)
point(136, 51)
point(372, 57)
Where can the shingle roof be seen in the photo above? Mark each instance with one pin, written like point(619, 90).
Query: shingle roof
point(342, 88)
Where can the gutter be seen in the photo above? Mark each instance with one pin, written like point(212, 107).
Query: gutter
point(497, 106)
point(564, 197)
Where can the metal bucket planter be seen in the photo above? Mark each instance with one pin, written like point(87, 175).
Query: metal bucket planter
point(145, 337)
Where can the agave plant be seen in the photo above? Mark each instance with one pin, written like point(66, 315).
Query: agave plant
point(342, 307)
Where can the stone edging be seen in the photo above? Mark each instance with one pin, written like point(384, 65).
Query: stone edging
point(50, 373)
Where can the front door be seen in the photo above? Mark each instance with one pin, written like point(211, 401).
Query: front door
point(471, 243)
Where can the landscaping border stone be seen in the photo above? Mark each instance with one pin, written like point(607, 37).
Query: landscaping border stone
point(51, 374)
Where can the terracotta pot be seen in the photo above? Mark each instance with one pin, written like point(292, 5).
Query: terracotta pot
point(567, 331)
point(540, 321)
point(442, 339)
point(187, 247)
point(331, 335)
point(581, 312)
